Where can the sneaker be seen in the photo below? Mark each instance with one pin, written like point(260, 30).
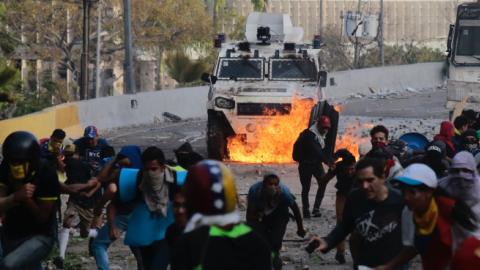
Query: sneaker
point(316, 213)
point(340, 257)
point(59, 262)
point(306, 214)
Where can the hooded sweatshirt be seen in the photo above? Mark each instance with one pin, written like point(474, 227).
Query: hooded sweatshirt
point(447, 131)
point(464, 187)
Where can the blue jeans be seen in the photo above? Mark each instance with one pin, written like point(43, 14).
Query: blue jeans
point(102, 242)
point(26, 253)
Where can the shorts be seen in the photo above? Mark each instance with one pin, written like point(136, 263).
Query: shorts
point(78, 216)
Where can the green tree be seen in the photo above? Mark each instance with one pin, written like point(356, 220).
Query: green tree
point(51, 30)
point(260, 5)
point(184, 70)
point(165, 25)
point(9, 76)
point(410, 53)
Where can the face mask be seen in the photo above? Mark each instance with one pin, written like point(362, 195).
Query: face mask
point(19, 172)
point(378, 144)
point(323, 131)
point(154, 176)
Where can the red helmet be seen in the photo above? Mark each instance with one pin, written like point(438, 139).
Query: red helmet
point(324, 122)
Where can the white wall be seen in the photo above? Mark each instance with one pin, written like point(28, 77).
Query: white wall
point(418, 76)
point(116, 111)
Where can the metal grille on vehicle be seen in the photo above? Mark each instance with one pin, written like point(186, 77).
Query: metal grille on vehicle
point(263, 108)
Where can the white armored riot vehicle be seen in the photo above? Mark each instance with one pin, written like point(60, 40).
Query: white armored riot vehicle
point(263, 73)
point(463, 47)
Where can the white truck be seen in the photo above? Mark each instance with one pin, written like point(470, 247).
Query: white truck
point(463, 60)
point(264, 72)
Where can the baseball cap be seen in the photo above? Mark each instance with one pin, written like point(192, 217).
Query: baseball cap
point(90, 132)
point(418, 174)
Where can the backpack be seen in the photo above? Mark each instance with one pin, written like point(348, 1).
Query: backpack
point(298, 147)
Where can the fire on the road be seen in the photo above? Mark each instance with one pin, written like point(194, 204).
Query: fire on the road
point(275, 139)
point(351, 139)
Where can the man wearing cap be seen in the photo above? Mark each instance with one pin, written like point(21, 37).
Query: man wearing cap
point(311, 163)
point(436, 158)
point(267, 213)
point(433, 216)
point(90, 146)
point(373, 214)
point(84, 193)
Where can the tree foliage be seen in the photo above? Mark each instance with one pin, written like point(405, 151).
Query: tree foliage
point(166, 25)
point(260, 5)
point(52, 30)
point(183, 69)
point(401, 54)
point(9, 76)
point(337, 54)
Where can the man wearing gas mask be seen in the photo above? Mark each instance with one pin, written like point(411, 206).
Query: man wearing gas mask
point(29, 192)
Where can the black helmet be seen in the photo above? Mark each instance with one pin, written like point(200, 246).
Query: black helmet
point(20, 145)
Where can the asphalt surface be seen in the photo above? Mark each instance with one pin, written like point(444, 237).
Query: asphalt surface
point(424, 108)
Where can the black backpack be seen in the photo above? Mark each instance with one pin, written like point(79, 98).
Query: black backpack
point(298, 147)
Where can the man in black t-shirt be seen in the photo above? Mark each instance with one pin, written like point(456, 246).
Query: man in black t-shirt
point(81, 202)
point(29, 192)
point(373, 212)
point(344, 171)
point(90, 147)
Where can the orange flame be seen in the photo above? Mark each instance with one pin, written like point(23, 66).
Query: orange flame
point(351, 139)
point(275, 138)
point(338, 108)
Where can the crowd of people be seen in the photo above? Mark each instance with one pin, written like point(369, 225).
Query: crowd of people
point(392, 204)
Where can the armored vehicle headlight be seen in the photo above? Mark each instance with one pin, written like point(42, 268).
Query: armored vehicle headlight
point(224, 103)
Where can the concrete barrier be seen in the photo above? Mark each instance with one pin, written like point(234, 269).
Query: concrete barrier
point(363, 81)
point(148, 107)
point(41, 124)
point(143, 108)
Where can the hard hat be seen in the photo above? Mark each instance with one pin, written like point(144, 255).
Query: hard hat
point(20, 145)
point(414, 140)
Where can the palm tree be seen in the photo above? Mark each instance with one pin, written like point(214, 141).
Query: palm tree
point(184, 70)
point(260, 5)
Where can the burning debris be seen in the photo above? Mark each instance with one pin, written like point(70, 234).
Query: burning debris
point(275, 139)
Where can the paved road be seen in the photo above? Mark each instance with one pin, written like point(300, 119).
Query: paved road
point(169, 136)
